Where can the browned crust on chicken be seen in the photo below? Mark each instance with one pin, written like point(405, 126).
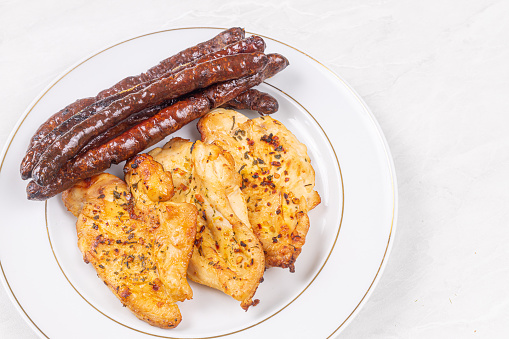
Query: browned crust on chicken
point(227, 254)
point(278, 179)
point(138, 242)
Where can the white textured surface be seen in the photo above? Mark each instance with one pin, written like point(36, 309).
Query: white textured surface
point(436, 76)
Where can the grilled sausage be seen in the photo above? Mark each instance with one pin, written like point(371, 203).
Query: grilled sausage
point(200, 76)
point(262, 102)
point(33, 153)
point(254, 100)
point(99, 159)
point(219, 41)
point(126, 124)
point(151, 131)
point(217, 94)
point(251, 99)
point(249, 45)
point(59, 117)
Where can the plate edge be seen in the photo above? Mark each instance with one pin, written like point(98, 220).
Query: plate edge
point(389, 158)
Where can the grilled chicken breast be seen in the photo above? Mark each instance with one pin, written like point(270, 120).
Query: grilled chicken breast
point(278, 179)
point(138, 242)
point(227, 255)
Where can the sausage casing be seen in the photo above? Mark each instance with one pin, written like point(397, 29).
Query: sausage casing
point(254, 100)
point(151, 131)
point(200, 76)
point(218, 42)
point(248, 45)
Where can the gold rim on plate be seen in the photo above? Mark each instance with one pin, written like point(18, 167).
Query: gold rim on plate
point(342, 210)
point(259, 322)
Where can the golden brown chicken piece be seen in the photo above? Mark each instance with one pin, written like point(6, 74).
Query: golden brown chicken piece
point(278, 179)
point(138, 242)
point(227, 255)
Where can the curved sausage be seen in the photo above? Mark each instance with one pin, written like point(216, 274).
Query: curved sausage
point(33, 154)
point(126, 124)
point(59, 117)
point(151, 131)
point(249, 45)
point(216, 43)
point(251, 99)
point(200, 76)
point(254, 100)
point(217, 94)
point(192, 53)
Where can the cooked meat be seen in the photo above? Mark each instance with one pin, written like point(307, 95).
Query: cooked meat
point(278, 179)
point(227, 255)
point(138, 242)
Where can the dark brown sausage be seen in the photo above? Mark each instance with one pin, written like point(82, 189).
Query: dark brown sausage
point(126, 124)
point(251, 99)
point(151, 131)
point(249, 45)
point(33, 154)
point(254, 100)
point(192, 53)
point(167, 121)
point(59, 117)
point(98, 159)
point(220, 41)
point(200, 76)
point(262, 101)
point(217, 94)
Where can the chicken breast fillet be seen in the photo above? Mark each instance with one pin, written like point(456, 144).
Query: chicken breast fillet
point(138, 242)
point(278, 179)
point(227, 255)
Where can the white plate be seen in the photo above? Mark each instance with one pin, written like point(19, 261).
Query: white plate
point(346, 248)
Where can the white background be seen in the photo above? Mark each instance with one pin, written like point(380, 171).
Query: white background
point(434, 73)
